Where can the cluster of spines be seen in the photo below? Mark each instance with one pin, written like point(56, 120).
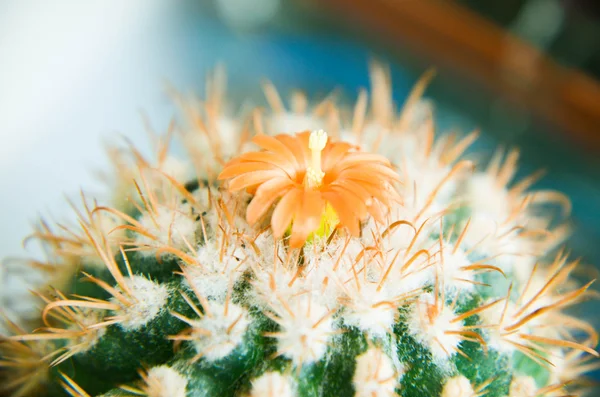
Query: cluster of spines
point(182, 257)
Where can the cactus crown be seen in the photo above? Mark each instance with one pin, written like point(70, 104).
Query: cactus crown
point(280, 260)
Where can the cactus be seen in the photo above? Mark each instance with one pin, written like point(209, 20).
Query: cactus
point(374, 259)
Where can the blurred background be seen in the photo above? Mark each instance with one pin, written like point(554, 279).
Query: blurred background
point(75, 73)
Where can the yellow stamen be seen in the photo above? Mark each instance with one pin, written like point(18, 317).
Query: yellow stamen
point(316, 144)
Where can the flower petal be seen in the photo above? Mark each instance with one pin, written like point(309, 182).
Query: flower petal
point(253, 178)
point(241, 167)
point(354, 159)
point(377, 211)
point(298, 144)
point(307, 217)
point(275, 159)
point(333, 153)
point(265, 195)
point(375, 188)
point(344, 212)
point(362, 190)
point(274, 145)
point(371, 170)
point(355, 203)
point(284, 212)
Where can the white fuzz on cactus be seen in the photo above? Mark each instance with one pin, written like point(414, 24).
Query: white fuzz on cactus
point(100, 224)
point(177, 168)
point(215, 269)
point(456, 270)
point(272, 384)
point(375, 375)
point(501, 313)
point(523, 386)
point(166, 226)
point(458, 386)
point(85, 319)
point(306, 327)
point(159, 381)
point(436, 326)
point(373, 259)
point(568, 365)
point(219, 331)
point(370, 308)
point(78, 333)
point(148, 297)
point(163, 381)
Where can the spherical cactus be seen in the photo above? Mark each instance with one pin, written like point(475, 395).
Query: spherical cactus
point(374, 259)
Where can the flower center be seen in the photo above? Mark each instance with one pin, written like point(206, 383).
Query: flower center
point(316, 144)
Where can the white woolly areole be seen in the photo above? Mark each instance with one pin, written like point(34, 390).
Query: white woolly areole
point(559, 370)
point(148, 300)
point(401, 236)
point(327, 268)
point(567, 365)
point(486, 198)
point(228, 129)
point(402, 279)
point(305, 330)
point(214, 274)
point(458, 386)
point(406, 141)
point(502, 242)
point(489, 233)
point(523, 386)
point(421, 179)
point(202, 196)
point(221, 331)
point(225, 137)
point(372, 297)
point(86, 318)
point(272, 384)
point(374, 375)
point(163, 381)
point(369, 309)
point(536, 300)
point(400, 146)
point(170, 227)
point(177, 168)
point(398, 237)
point(521, 265)
point(497, 339)
point(490, 208)
point(481, 234)
point(452, 264)
point(274, 288)
point(319, 280)
point(104, 225)
point(429, 324)
point(275, 283)
point(266, 244)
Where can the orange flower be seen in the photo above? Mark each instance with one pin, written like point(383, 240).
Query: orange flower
point(306, 173)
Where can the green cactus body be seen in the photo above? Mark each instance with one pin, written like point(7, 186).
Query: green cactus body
point(375, 261)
